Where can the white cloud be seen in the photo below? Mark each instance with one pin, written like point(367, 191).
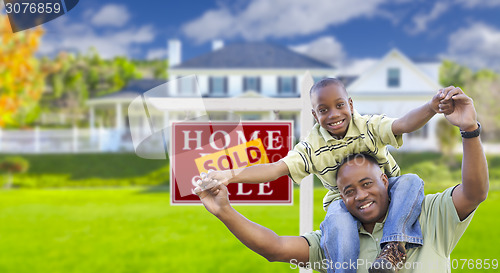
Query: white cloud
point(476, 46)
point(157, 53)
point(479, 3)
point(421, 20)
point(111, 15)
point(278, 18)
point(326, 49)
point(65, 35)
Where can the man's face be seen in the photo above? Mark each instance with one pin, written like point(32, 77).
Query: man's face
point(363, 187)
point(332, 109)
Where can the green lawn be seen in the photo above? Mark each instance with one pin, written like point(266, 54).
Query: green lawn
point(136, 230)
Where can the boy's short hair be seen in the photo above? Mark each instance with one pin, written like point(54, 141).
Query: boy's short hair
point(326, 82)
point(355, 157)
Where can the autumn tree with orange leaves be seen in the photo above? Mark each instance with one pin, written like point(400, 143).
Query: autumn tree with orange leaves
point(21, 77)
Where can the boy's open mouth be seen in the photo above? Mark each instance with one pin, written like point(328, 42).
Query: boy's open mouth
point(336, 125)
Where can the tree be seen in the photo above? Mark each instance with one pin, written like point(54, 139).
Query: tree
point(82, 76)
point(483, 86)
point(448, 138)
point(11, 166)
point(21, 78)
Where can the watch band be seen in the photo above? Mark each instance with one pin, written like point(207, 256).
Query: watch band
point(472, 134)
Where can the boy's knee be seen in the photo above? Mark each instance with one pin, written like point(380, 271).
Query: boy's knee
point(411, 179)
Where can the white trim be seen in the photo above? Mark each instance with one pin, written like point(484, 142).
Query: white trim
point(250, 71)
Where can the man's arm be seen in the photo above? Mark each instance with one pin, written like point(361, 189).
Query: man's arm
point(260, 239)
point(474, 188)
point(418, 117)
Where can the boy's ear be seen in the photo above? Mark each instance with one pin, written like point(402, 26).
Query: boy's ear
point(314, 114)
point(351, 105)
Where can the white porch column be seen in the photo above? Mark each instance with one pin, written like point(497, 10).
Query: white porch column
point(119, 117)
point(92, 121)
point(100, 138)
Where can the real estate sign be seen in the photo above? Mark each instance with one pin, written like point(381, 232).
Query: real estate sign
point(201, 146)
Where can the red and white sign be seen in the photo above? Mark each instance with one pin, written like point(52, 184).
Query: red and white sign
point(200, 146)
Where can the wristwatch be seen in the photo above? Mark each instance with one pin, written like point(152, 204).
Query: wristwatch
point(472, 134)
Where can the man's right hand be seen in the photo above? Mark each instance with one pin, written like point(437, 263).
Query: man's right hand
point(215, 200)
point(464, 116)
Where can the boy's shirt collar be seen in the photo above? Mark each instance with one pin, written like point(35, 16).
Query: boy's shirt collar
point(352, 131)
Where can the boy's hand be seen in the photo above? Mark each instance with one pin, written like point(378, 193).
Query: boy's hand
point(212, 179)
point(442, 102)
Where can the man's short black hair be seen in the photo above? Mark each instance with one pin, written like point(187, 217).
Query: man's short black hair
point(355, 158)
point(326, 82)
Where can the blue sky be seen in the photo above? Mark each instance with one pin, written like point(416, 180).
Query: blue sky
point(347, 33)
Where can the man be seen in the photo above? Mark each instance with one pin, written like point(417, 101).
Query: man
point(363, 188)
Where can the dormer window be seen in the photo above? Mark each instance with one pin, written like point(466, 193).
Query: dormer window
point(393, 77)
point(251, 84)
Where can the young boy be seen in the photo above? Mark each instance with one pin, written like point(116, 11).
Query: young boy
point(339, 132)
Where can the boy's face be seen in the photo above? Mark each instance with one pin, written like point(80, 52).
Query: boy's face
point(332, 109)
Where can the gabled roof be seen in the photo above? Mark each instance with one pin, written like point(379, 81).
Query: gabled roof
point(135, 88)
point(405, 60)
point(253, 55)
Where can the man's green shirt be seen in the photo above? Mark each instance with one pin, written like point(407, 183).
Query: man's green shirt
point(441, 229)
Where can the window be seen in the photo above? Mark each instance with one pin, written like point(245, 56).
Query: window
point(318, 78)
point(286, 85)
point(218, 86)
point(393, 77)
point(420, 133)
point(186, 86)
point(218, 115)
point(251, 84)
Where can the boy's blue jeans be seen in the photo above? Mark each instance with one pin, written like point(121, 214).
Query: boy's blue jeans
point(340, 238)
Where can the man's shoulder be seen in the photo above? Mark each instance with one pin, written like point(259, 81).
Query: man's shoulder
point(439, 197)
point(440, 223)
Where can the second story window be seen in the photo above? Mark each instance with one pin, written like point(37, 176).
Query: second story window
point(218, 86)
point(251, 84)
point(393, 77)
point(186, 86)
point(286, 85)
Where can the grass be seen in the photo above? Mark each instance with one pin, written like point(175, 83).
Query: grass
point(136, 230)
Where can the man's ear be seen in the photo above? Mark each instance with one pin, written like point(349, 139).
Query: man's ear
point(342, 196)
point(385, 180)
point(351, 105)
point(314, 114)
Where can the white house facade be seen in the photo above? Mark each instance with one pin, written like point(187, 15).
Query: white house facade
point(260, 81)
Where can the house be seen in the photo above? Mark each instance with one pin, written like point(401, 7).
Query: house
point(261, 81)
